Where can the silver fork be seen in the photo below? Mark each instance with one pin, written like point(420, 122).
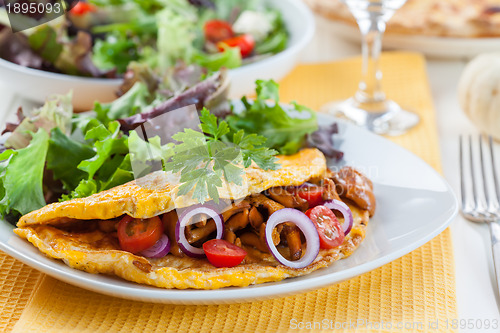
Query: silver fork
point(481, 204)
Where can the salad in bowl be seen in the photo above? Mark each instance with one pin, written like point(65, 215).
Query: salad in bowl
point(99, 38)
point(94, 43)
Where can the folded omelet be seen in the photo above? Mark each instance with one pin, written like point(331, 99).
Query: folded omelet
point(78, 231)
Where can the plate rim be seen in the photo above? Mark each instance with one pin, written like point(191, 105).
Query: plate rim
point(236, 294)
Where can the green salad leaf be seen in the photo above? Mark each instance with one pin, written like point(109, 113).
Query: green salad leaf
point(44, 42)
point(56, 112)
point(176, 34)
point(137, 98)
point(63, 157)
point(117, 51)
point(108, 166)
point(284, 127)
point(230, 58)
point(21, 174)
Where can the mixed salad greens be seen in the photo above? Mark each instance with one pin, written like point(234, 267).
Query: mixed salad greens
point(51, 154)
point(100, 38)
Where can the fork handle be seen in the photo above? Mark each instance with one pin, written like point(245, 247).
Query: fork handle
point(495, 245)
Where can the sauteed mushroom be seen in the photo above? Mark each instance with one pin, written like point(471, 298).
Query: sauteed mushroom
point(169, 222)
point(292, 236)
point(229, 236)
point(251, 239)
point(255, 217)
point(261, 200)
point(198, 234)
point(329, 190)
point(238, 221)
point(287, 199)
point(235, 208)
point(353, 185)
point(107, 225)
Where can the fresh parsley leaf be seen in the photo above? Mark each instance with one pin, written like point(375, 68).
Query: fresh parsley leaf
point(205, 158)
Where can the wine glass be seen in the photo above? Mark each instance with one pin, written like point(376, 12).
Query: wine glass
point(369, 107)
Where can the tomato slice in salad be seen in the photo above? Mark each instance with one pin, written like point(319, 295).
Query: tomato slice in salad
point(82, 8)
point(313, 195)
point(136, 235)
point(218, 30)
point(329, 229)
point(221, 253)
point(245, 43)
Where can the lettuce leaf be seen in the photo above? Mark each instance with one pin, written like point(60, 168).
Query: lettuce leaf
point(21, 176)
point(230, 58)
point(176, 34)
point(44, 42)
point(63, 157)
point(109, 166)
point(114, 52)
point(285, 127)
point(56, 112)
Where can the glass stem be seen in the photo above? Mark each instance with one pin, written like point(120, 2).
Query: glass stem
point(370, 88)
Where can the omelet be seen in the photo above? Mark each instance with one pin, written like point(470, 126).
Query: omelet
point(70, 231)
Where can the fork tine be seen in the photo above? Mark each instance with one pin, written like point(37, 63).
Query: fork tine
point(489, 201)
point(494, 170)
point(473, 173)
point(462, 176)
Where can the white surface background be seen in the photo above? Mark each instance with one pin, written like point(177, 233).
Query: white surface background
point(476, 288)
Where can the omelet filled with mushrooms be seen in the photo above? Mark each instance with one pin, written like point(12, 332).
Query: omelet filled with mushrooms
point(269, 220)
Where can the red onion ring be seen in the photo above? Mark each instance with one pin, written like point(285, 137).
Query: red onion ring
point(305, 225)
point(184, 220)
point(159, 250)
point(344, 210)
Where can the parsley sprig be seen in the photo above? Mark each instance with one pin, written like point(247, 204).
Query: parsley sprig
point(205, 158)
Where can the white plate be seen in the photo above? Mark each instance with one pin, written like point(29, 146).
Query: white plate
point(414, 204)
point(438, 47)
point(36, 84)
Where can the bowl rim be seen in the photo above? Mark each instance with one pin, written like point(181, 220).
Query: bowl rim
point(307, 32)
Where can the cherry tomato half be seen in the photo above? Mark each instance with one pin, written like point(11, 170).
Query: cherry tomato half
point(221, 253)
point(313, 195)
point(136, 235)
point(246, 43)
point(329, 229)
point(82, 8)
point(217, 30)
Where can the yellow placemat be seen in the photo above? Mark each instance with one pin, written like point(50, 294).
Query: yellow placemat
point(412, 293)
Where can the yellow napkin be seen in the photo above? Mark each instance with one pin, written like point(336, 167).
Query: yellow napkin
point(408, 294)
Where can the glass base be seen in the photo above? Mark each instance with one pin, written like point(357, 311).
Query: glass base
point(387, 118)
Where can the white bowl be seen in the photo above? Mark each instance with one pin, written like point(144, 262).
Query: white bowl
point(36, 84)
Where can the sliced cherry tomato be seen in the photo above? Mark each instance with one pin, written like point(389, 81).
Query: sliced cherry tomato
point(82, 8)
point(136, 235)
point(221, 253)
point(217, 30)
point(245, 42)
point(313, 195)
point(329, 229)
